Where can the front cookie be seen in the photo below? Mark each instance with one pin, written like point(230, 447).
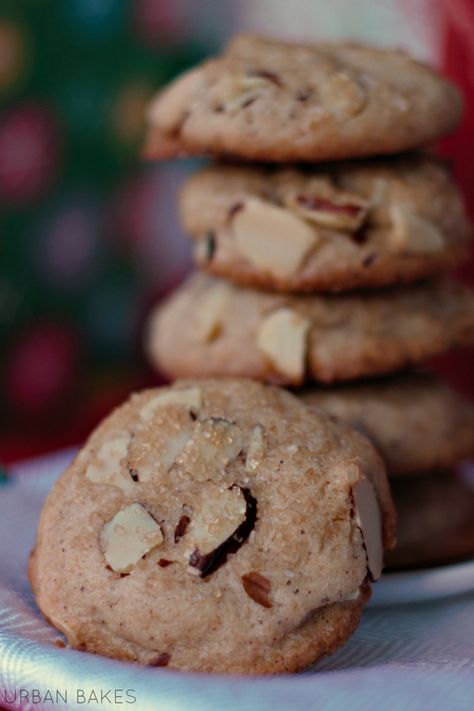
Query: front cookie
point(330, 228)
point(214, 526)
point(209, 327)
point(266, 100)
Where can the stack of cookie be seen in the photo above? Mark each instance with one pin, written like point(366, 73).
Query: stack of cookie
point(224, 524)
point(322, 272)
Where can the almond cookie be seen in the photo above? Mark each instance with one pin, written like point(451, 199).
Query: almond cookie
point(214, 526)
point(417, 422)
point(328, 228)
point(267, 100)
point(210, 327)
point(435, 520)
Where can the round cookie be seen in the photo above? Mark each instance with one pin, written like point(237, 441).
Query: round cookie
point(214, 526)
point(331, 228)
point(267, 100)
point(435, 520)
point(210, 327)
point(417, 422)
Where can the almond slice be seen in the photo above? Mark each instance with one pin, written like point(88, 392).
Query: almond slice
point(346, 213)
point(187, 397)
point(412, 233)
point(131, 534)
point(221, 522)
point(214, 443)
point(272, 238)
point(282, 337)
point(107, 467)
point(255, 449)
point(216, 516)
point(342, 95)
point(369, 520)
point(211, 311)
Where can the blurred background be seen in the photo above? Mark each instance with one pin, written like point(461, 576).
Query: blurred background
point(89, 236)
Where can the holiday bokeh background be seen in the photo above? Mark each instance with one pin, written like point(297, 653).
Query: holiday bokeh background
point(89, 236)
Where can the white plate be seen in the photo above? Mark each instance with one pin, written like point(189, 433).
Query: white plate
point(427, 584)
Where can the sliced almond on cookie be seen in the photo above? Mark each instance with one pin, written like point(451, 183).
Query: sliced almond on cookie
point(346, 213)
point(131, 534)
point(282, 338)
point(211, 311)
point(255, 448)
point(369, 520)
point(187, 397)
point(214, 443)
point(221, 521)
point(342, 95)
point(272, 238)
point(106, 468)
point(412, 233)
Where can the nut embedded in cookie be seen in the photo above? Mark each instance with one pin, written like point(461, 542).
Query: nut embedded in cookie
point(272, 238)
point(131, 534)
point(282, 338)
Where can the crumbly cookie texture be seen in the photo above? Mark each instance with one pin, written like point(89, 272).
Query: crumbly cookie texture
point(435, 520)
point(267, 100)
point(291, 339)
point(244, 503)
point(327, 228)
point(417, 422)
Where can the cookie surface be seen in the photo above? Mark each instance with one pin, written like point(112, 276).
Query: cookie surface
point(209, 327)
point(229, 498)
point(267, 100)
point(330, 228)
point(417, 422)
point(435, 520)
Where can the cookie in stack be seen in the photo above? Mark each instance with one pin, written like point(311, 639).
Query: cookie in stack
point(323, 256)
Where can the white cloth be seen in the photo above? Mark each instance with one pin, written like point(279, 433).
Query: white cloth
point(407, 658)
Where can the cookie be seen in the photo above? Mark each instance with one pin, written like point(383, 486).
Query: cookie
point(331, 228)
point(417, 422)
point(210, 327)
point(435, 520)
point(214, 526)
point(266, 100)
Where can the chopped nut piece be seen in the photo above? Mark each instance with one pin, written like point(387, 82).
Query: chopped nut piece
point(223, 520)
point(282, 338)
point(188, 397)
point(174, 447)
point(353, 595)
point(214, 443)
point(107, 469)
point(181, 527)
point(272, 237)
point(255, 449)
point(266, 75)
point(369, 520)
point(211, 311)
point(131, 534)
point(335, 214)
point(241, 101)
point(413, 233)
point(342, 95)
point(162, 660)
point(258, 588)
